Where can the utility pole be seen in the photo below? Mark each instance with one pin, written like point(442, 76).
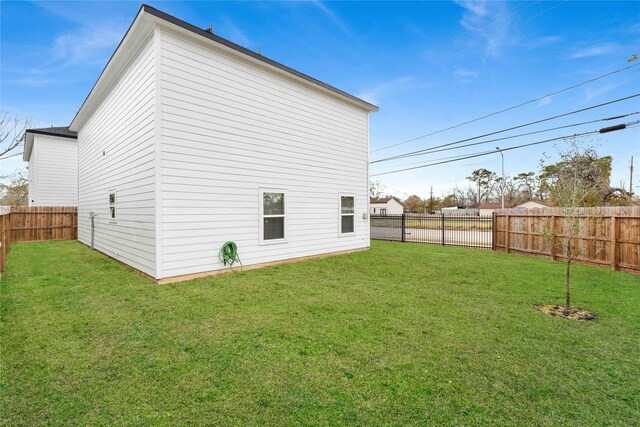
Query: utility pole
point(631, 177)
point(502, 183)
point(431, 200)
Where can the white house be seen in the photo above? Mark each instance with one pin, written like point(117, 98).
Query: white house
point(535, 204)
point(52, 154)
point(385, 206)
point(488, 208)
point(188, 140)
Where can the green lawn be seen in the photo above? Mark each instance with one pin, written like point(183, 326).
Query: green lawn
point(402, 334)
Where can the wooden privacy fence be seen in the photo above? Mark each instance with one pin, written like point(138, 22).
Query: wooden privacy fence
point(35, 224)
point(610, 236)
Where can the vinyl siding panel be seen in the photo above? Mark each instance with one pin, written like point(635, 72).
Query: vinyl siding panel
point(33, 173)
point(53, 172)
point(228, 128)
point(117, 147)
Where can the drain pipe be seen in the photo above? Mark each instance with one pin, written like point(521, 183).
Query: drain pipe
point(92, 215)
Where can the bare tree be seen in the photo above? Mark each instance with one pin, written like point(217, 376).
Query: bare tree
point(577, 181)
point(14, 189)
point(12, 128)
point(376, 189)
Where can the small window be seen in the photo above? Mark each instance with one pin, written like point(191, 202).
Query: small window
point(273, 214)
point(347, 214)
point(112, 205)
point(374, 210)
point(383, 211)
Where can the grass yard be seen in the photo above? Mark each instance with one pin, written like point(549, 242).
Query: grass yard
point(403, 334)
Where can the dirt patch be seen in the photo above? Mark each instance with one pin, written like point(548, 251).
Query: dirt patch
point(571, 313)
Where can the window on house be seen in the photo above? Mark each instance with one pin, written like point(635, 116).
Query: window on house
point(273, 215)
point(347, 214)
point(374, 210)
point(112, 205)
point(383, 211)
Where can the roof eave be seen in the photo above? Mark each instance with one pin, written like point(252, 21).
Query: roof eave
point(28, 146)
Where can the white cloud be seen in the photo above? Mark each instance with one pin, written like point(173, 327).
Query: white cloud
point(337, 21)
point(593, 93)
point(544, 101)
point(81, 48)
point(597, 50)
point(464, 75)
point(379, 91)
point(489, 21)
point(230, 31)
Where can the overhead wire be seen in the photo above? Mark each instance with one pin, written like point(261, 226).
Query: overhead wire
point(437, 148)
point(507, 109)
point(485, 153)
point(546, 119)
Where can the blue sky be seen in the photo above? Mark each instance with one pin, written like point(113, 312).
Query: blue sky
point(428, 65)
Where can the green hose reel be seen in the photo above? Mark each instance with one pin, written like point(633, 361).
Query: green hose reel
point(229, 254)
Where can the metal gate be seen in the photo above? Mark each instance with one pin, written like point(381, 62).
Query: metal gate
point(446, 230)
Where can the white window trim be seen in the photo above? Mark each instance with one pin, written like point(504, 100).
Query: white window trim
point(349, 233)
point(115, 205)
point(261, 192)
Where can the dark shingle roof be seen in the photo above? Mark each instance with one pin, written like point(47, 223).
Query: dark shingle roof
point(62, 131)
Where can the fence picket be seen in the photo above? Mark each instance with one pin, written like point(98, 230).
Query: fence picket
point(610, 237)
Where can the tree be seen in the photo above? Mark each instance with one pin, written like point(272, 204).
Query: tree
point(16, 192)
point(12, 128)
point(526, 184)
point(414, 203)
point(376, 189)
point(575, 183)
point(484, 180)
point(594, 172)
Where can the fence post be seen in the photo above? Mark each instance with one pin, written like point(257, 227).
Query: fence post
point(553, 238)
point(493, 230)
point(506, 232)
point(614, 243)
point(403, 228)
point(442, 223)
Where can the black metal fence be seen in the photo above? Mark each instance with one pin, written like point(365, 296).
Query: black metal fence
point(446, 230)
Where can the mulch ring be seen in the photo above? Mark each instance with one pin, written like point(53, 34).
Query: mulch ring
point(571, 313)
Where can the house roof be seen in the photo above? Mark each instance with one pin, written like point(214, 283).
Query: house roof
point(547, 204)
point(59, 131)
point(148, 11)
point(379, 199)
point(384, 200)
point(62, 131)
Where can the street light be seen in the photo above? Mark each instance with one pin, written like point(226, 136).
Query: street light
point(502, 183)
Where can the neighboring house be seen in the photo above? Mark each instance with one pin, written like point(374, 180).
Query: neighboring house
point(535, 204)
point(488, 208)
point(385, 206)
point(458, 210)
point(52, 154)
point(188, 140)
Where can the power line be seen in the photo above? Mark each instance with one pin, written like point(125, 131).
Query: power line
point(437, 148)
point(515, 147)
point(546, 119)
point(507, 109)
point(541, 13)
